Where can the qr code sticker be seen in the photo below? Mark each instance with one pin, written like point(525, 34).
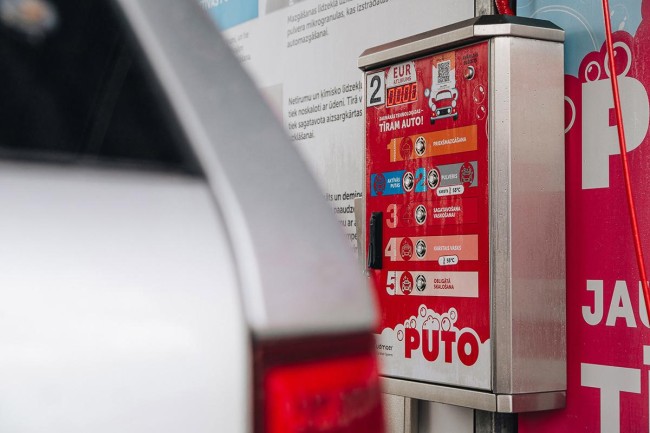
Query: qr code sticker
point(443, 71)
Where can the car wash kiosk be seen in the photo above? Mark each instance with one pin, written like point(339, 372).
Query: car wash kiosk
point(464, 209)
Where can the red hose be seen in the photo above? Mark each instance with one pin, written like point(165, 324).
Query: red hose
point(503, 7)
point(623, 146)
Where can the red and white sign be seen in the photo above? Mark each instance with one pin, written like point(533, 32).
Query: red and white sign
point(608, 336)
point(427, 171)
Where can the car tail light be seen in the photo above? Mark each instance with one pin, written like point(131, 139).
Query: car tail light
point(323, 385)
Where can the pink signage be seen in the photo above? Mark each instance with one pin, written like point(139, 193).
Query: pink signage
point(608, 331)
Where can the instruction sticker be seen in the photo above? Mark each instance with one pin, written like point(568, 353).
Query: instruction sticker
point(427, 173)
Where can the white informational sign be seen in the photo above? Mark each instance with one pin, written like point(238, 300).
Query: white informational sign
point(303, 56)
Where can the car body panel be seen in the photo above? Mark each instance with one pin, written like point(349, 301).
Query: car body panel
point(119, 305)
point(298, 275)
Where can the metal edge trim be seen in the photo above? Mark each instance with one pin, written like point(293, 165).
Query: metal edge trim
point(473, 399)
point(461, 33)
point(481, 400)
point(415, 46)
point(500, 214)
point(534, 402)
point(364, 173)
point(520, 30)
point(411, 415)
point(492, 246)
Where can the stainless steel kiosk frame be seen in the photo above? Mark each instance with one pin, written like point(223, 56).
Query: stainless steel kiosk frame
point(526, 201)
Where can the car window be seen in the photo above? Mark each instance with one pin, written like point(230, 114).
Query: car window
point(77, 91)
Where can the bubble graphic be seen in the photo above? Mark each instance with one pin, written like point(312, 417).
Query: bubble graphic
point(592, 71)
point(622, 59)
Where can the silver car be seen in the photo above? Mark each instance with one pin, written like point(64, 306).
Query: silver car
point(167, 263)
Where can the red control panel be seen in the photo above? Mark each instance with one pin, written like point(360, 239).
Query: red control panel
point(427, 196)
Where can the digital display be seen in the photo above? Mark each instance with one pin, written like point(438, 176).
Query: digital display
point(402, 94)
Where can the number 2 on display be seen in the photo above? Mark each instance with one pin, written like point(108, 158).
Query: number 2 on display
point(375, 89)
